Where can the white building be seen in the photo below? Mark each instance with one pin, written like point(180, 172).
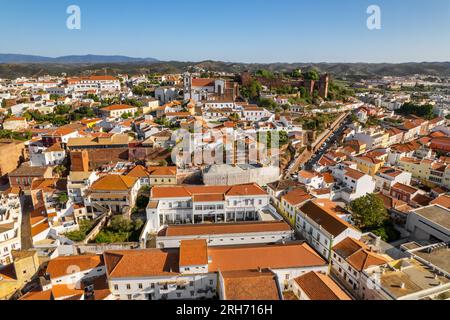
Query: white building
point(227, 175)
point(197, 271)
point(351, 183)
point(349, 259)
point(10, 224)
point(166, 94)
point(78, 183)
point(323, 224)
point(226, 234)
point(430, 223)
point(41, 156)
point(200, 204)
point(386, 177)
point(98, 83)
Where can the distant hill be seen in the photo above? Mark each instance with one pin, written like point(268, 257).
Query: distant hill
point(21, 58)
point(13, 66)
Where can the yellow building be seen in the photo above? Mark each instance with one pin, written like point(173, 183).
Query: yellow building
point(15, 275)
point(368, 165)
point(429, 172)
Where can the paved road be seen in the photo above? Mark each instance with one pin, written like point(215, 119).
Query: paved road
point(26, 239)
point(326, 146)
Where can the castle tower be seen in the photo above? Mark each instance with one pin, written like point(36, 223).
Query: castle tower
point(323, 86)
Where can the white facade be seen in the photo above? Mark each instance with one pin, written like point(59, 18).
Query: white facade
point(10, 226)
point(384, 181)
point(318, 237)
point(166, 95)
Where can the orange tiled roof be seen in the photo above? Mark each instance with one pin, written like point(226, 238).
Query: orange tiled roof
point(236, 258)
point(443, 201)
point(357, 254)
point(63, 266)
point(250, 285)
point(193, 253)
point(296, 197)
point(324, 212)
point(115, 107)
point(113, 182)
point(189, 191)
point(318, 286)
point(140, 263)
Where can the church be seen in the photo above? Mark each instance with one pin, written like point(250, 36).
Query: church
point(206, 89)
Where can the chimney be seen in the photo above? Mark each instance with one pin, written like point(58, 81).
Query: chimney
point(259, 270)
point(403, 285)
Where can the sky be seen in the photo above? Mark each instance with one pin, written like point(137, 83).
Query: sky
point(260, 31)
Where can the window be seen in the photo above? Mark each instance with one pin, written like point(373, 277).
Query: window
point(211, 282)
point(128, 286)
point(129, 297)
point(140, 285)
point(116, 287)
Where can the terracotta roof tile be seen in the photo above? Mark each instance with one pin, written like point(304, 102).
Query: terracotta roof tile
point(318, 286)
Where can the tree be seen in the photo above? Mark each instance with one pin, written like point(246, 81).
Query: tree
point(424, 111)
point(234, 117)
point(269, 104)
point(125, 115)
point(252, 90)
point(264, 74)
point(63, 198)
point(60, 170)
point(312, 75)
point(368, 212)
point(142, 201)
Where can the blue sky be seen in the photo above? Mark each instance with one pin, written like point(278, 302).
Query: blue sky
point(231, 30)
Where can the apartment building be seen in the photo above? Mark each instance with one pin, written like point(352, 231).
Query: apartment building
point(24, 176)
point(10, 224)
point(196, 271)
point(292, 201)
point(387, 177)
point(117, 110)
point(368, 165)
point(78, 183)
point(97, 83)
point(15, 275)
point(428, 171)
point(73, 278)
point(154, 176)
point(373, 138)
point(113, 192)
point(41, 156)
point(349, 258)
point(324, 224)
point(200, 204)
point(351, 183)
